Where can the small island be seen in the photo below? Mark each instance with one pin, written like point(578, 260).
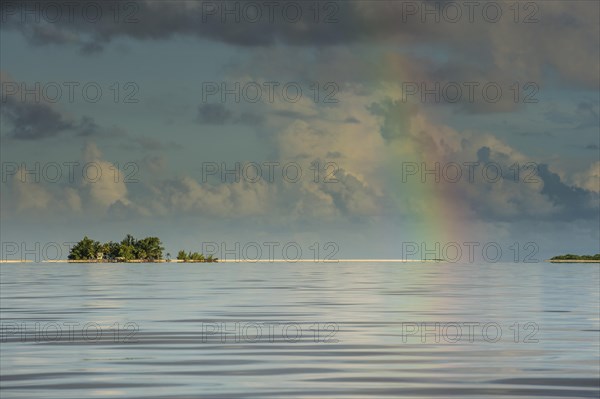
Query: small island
point(194, 257)
point(130, 250)
point(570, 258)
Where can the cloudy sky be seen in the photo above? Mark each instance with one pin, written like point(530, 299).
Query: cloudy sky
point(367, 124)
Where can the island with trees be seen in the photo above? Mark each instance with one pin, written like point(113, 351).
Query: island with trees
point(195, 257)
point(130, 249)
point(570, 258)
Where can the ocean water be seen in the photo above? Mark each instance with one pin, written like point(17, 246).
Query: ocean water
point(306, 330)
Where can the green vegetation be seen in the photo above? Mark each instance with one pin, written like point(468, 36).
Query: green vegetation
point(147, 249)
point(195, 257)
point(85, 249)
point(576, 257)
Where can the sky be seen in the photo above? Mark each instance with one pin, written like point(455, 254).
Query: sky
point(317, 129)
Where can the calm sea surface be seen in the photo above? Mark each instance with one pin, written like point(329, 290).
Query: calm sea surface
point(307, 330)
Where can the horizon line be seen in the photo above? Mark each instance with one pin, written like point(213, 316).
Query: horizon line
point(234, 261)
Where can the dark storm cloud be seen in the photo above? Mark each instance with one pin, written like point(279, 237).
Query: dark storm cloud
point(571, 202)
point(39, 121)
point(30, 118)
point(152, 20)
point(576, 202)
point(337, 22)
point(291, 22)
point(88, 127)
point(29, 121)
point(33, 121)
point(479, 44)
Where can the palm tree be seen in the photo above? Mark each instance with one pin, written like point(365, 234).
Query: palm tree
point(129, 240)
point(181, 255)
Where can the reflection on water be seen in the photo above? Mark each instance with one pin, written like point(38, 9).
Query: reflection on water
point(300, 330)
